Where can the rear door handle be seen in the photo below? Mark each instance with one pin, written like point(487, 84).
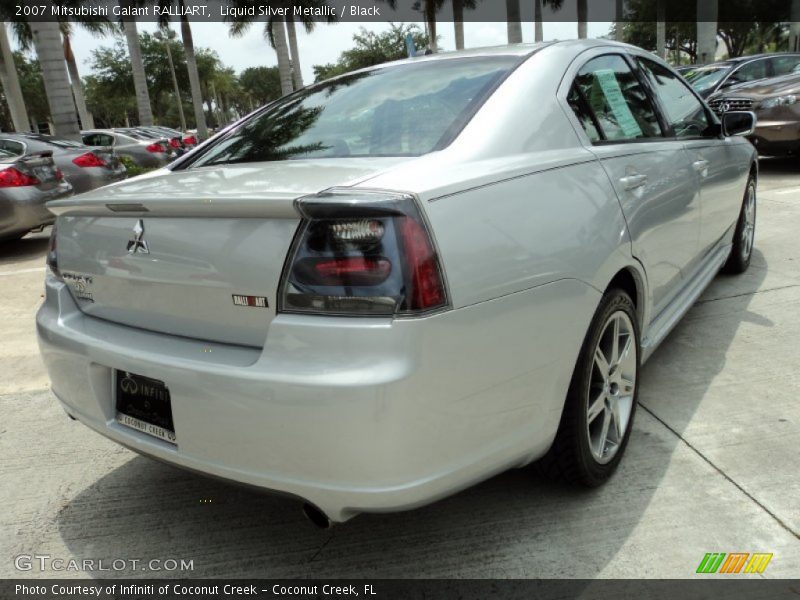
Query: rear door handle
point(700, 165)
point(631, 182)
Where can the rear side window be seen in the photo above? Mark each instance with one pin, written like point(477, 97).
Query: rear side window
point(98, 139)
point(13, 148)
point(404, 110)
point(784, 65)
point(684, 112)
point(610, 90)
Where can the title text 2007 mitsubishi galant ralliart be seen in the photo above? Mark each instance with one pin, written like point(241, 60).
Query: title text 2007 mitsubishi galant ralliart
point(390, 285)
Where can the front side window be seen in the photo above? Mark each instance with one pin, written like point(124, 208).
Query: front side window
point(751, 71)
point(405, 110)
point(619, 103)
point(684, 112)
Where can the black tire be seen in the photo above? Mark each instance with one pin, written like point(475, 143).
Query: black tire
point(571, 458)
point(742, 250)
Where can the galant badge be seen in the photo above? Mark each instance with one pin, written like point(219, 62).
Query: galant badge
point(137, 244)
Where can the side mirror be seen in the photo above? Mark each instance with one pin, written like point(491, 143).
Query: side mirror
point(738, 123)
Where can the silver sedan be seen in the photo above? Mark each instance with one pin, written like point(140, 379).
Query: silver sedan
point(388, 286)
point(27, 183)
point(85, 168)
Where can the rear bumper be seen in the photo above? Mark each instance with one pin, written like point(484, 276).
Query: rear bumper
point(23, 209)
point(352, 415)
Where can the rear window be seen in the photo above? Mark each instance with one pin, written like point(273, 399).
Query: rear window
point(57, 142)
point(405, 110)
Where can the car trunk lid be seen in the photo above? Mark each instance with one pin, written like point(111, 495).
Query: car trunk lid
point(196, 253)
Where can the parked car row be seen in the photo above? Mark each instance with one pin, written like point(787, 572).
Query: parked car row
point(766, 84)
point(150, 147)
point(27, 182)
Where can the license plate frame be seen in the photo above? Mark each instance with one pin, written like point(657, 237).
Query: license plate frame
point(144, 404)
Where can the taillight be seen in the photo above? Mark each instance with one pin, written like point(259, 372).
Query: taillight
point(59, 174)
point(156, 147)
point(190, 140)
point(362, 253)
point(11, 177)
point(90, 159)
point(175, 143)
point(52, 254)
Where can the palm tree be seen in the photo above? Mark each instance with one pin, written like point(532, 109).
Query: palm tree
point(538, 30)
point(10, 82)
point(87, 121)
point(429, 8)
point(139, 76)
point(191, 65)
point(458, 19)
point(619, 17)
point(583, 11)
point(294, 51)
point(513, 25)
point(706, 30)
point(275, 33)
point(49, 49)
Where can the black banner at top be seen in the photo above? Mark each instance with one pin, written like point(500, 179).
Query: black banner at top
point(722, 11)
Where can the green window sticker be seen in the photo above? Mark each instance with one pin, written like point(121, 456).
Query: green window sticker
point(607, 79)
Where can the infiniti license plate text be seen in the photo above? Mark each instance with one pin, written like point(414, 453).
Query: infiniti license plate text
point(144, 404)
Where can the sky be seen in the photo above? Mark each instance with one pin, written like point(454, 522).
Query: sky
point(326, 42)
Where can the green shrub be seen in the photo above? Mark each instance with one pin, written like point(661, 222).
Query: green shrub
point(131, 167)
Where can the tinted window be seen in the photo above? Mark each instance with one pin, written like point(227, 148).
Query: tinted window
point(751, 71)
point(684, 112)
point(406, 110)
point(581, 109)
point(706, 78)
point(54, 141)
point(12, 147)
point(783, 65)
point(98, 139)
point(619, 103)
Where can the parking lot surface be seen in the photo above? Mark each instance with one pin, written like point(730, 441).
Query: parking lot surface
point(712, 465)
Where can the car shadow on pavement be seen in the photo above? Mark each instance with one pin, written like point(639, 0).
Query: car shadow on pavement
point(30, 247)
point(516, 524)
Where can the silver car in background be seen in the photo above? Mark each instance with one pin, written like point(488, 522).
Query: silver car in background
point(27, 183)
point(388, 286)
point(143, 151)
point(83, 167)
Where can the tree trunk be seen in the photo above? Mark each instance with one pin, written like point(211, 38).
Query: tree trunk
point(513, 26)
point(87, 121)
point(619, 16)
point(583, 11)
point(706, 31)
point(47, 41)
point(139, 77)
point(194, 78)
point(175, 86)
point(794, 27)
point(297, 75)
point(282, 50)
point(538, 30)
point(10, 83)
point(430, 20)
point(661, 28)
point(458, 23)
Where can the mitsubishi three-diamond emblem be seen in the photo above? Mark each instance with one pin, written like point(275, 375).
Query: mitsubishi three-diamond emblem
point(137, 244)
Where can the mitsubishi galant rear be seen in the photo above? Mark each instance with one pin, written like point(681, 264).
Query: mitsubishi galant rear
point(388, 286)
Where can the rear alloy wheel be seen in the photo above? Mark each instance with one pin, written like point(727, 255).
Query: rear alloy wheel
point(742, 250)
point(601, 402)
